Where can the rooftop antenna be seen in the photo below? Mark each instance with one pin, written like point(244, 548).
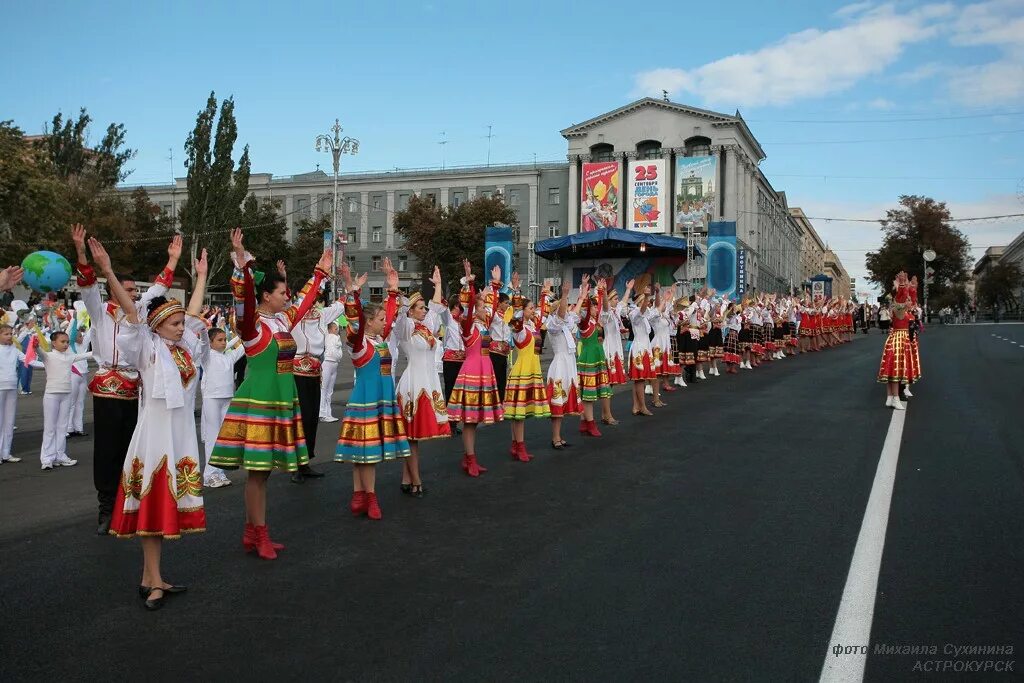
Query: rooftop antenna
point(443, 141)
point(664, 95)
point(170, 152)
point(489, 136)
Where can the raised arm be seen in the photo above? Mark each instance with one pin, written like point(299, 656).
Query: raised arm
point(309, 293)
point(195, 304)
point(102, 259)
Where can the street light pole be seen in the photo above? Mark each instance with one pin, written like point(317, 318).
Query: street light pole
point(928, 255)
point(336, 146)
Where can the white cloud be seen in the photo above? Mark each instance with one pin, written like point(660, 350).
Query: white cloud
point(807, 64)
point(852, 9)
point(919, 73)
point(1000, 25)
point(881, 103)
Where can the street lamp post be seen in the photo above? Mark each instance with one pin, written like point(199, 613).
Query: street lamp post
point(337, 146)
point(928, 256)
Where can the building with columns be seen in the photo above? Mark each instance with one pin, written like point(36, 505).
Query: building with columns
point(547, 197)
point(840, 279)
point(812, 249)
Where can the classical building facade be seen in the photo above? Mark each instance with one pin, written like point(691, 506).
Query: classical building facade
point(547, 196)
point(812, 249)
point(840, 279)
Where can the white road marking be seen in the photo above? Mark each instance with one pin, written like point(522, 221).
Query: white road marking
point(856, 610)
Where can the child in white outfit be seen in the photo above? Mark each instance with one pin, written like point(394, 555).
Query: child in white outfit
point(333, 347)
point(11, 360)
point(218, 388)
point(57, 400)
point(79, 385)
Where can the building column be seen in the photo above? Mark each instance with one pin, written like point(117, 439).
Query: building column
point(364, 219)
point(286, 208)
point(622, 190)
point(389, 220)
point(443, 198)
point(534, 206)
point(573, 203)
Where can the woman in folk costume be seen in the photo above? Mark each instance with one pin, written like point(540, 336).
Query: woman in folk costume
point(665, 364)
point(611, 320)
point(420, 394)
point(704, 343)
point(563, 375)
point(263, 427)
point(641, 363)
point(161, 492)
point(744, 312)
point(914, 331)
point(899, 364)
point(474, 400)
point(731, 351)
point(716, 336)
point(373, 429)
point(526, 395)
point(592, 364)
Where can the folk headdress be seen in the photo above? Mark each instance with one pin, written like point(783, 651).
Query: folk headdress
point(162, 312)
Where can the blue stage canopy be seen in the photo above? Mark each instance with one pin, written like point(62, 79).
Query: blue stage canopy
point(610, 243)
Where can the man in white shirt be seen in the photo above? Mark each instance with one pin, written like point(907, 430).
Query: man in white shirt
point(333, 348)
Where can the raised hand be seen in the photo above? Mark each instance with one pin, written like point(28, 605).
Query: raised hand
point(496, 274)
point(361, 280)
point(585, 280)
point(202, 266)
point(391, 277)
point(78, 235)
point(174, 250)
point(10, 276)
point(346, 276)
point(630, 284)
point(466, 266)
point(326, 261)
point(566, 288)
point(237, 246)
point(100, 256)
point(281, 270)
point(435, 277)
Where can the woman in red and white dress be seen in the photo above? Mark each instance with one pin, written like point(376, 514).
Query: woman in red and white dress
point(419, 392)
point(899, 363)
point(563, 375)
point(611, 321)
point(664, 363)
point(641, 360)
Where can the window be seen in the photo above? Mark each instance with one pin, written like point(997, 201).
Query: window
point(326, 206)
point(353, 205)
point(302, 207)
point(698, 146)
point(376, 294)
point(553, 229)
point(513, 197)
point(375, 263)
point(351, 263)
point(375, 236)
point(403, 263)
point(378, 203)
point(353, 236)
point(430, 197)
point(486, 193)
point(403, 201)
point(458, 198)
point(554, 196)
point(602, 152)
point(648, 149)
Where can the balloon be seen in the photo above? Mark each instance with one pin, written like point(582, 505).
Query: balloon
point(46, 271)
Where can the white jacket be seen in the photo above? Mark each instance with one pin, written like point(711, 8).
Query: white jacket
point(58, 369)
point(11, 360)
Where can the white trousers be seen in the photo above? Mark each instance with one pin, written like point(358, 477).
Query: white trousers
point(55, 423)
point(8, 406)
point(328, 376)
point(214, 411)
point(79, 387)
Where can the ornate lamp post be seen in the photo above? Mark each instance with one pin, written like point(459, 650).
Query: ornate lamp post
point(337, 146)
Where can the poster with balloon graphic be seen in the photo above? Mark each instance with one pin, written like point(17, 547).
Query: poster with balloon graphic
point(647, 196)
point(599, 196)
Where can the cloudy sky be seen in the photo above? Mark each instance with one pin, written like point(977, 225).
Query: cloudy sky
point(855, 104)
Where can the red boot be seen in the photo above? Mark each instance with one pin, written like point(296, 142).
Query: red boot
point(583, 426)
point(592, 429)
point(263, 546)
point(372, 507)
point(469, 464)
point(519, 451)
point(514, 451)
point(524, 456)
point(359, 503)
point(249, 539)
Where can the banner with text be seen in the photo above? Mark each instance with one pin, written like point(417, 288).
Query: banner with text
point(741, 272)
point(696, 180)
point(599, 196)
point(648, 196)
point(721, 258)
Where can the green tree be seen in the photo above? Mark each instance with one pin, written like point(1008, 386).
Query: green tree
point(920, 223)
point(305, 250)
point(216, 187)
point(33, 201)
point(266, 232)
point(444, 236)
point(1000, 285)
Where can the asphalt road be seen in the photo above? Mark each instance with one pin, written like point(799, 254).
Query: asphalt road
point(710, 542)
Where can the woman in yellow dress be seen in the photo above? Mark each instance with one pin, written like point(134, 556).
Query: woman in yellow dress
point(526, 394)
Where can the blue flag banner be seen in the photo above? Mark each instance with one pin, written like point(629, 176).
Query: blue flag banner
point(721, 258)
point(498, 252)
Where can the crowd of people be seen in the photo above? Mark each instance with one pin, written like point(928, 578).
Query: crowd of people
point(155, 354)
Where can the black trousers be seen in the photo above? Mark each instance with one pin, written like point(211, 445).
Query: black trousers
point(114, 421)
point(308, 389)
point(500, 364)
point(451, 373)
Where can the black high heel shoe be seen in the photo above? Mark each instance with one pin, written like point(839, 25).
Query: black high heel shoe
point(407, 489)
point(153, 604)
point(557, 445)
point(417, 491)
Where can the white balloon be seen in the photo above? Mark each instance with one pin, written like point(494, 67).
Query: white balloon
point(18, 305)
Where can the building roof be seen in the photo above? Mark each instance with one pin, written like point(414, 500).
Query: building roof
point(805, 222)
point(717, 119)
point(610, 243)
point(992, 254)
